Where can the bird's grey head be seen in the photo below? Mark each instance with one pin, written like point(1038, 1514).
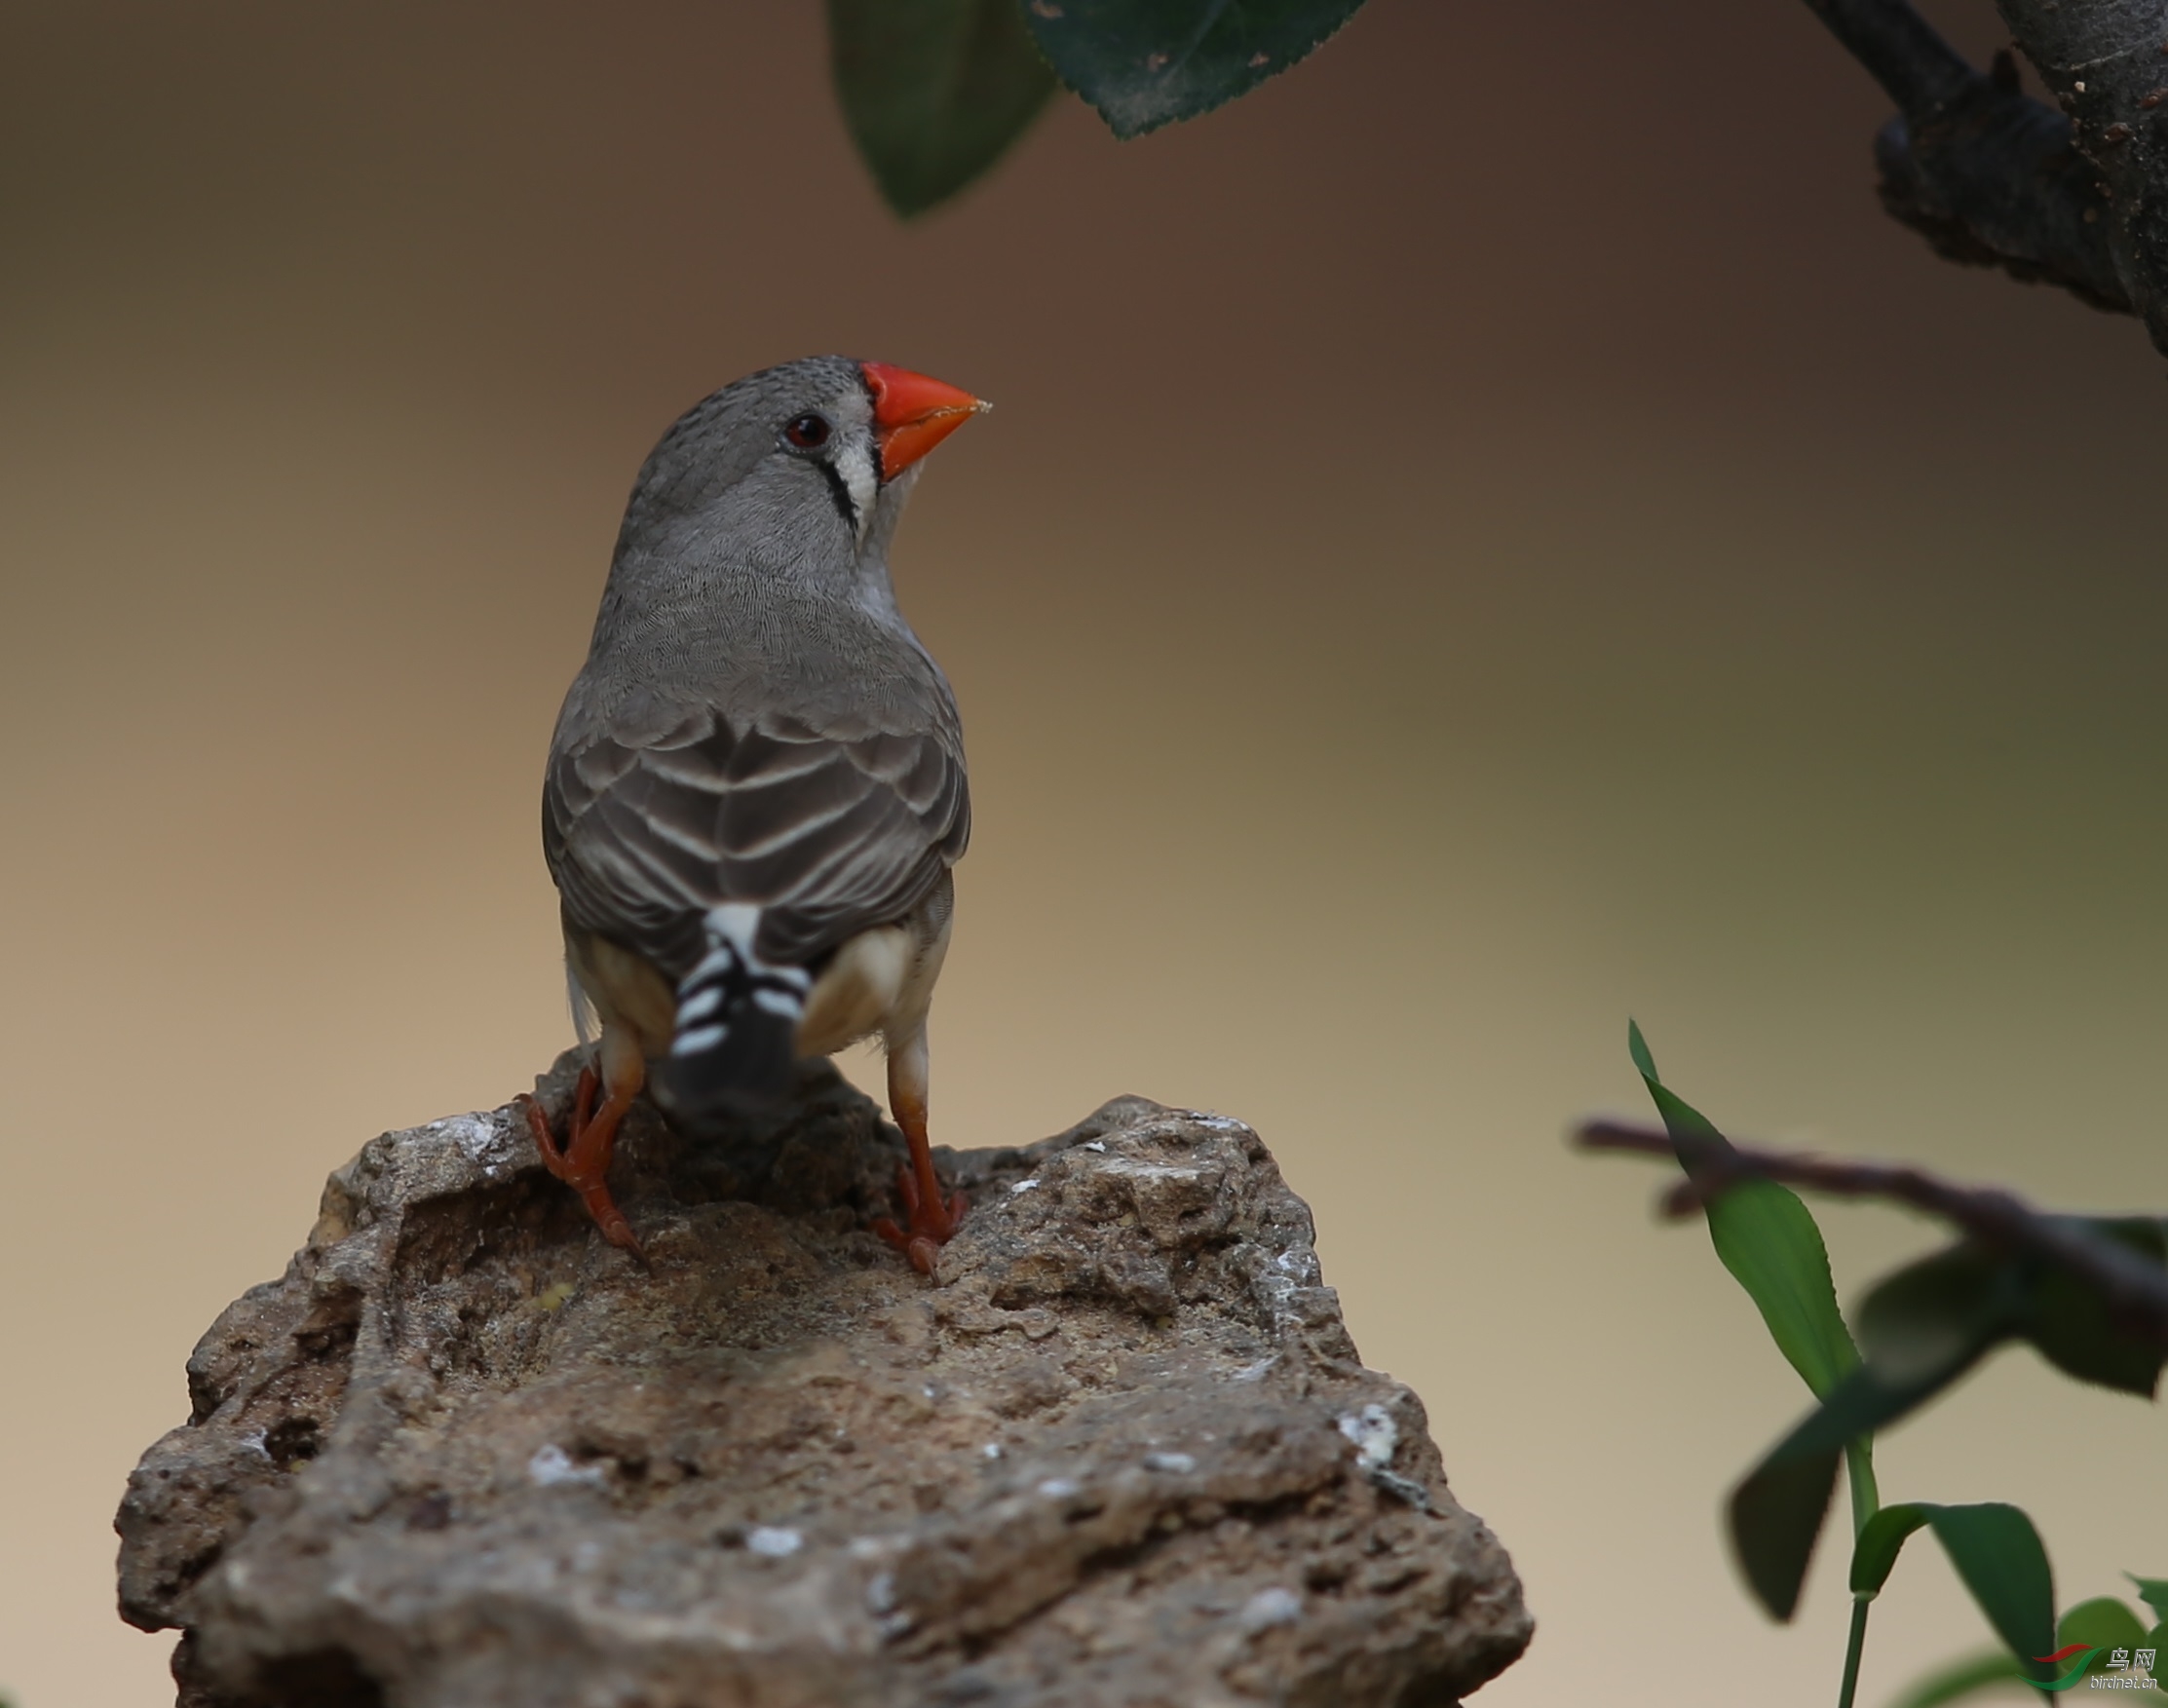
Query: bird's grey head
point(795, 469)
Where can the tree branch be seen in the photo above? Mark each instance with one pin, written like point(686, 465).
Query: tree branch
point(2135, 1290)
point(2106, 61)
point(1987, 175)
point(1900, 50)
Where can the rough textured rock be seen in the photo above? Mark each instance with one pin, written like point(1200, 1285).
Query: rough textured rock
point(1121, 1451)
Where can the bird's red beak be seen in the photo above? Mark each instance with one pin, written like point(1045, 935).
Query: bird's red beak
point(912, 414)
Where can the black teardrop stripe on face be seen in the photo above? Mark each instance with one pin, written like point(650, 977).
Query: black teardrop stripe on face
point(839, 489)
point(737, 1027)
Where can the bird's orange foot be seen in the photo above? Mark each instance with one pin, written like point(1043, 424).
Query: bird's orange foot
point(583, 1162)
point(932, 1221)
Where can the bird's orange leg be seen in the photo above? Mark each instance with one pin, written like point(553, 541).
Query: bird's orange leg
point(583, 1162)
point(932, 1215)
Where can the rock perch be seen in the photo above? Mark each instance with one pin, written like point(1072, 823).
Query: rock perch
point(1121, 1450)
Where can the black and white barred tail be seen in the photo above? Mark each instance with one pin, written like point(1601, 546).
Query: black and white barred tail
point(737, 1026)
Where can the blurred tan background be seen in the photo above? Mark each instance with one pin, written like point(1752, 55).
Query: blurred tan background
point(1493, 534)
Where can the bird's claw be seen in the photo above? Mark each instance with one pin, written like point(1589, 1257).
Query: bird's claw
point(932, 1223)
point(583, 1162)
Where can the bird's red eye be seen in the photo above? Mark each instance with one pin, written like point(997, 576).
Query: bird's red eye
point(809, 433)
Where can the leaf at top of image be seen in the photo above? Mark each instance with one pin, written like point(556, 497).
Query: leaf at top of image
point(1144, 64)
point(933, 91)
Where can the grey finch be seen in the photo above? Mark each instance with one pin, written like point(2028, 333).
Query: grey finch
point(756, 788)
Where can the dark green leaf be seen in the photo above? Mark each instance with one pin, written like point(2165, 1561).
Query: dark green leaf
point(1694, 1136)
point(1998, 1553)
point(1935, 1317)
point(2105, 1624)
point(2153, 1592)
point(933, 91)
point(1959, 1679)
point(1880, 1539)
point(1775, 1515)
point(1768, 1240)
point(1949, 1307)
point(2072, 1325)
point(2106, 1621)
point(1776, 1512)
point(1144, 64)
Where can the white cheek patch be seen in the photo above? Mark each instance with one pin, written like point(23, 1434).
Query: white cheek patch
point(853, 461)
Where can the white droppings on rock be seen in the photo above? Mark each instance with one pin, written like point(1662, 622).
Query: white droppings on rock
point(480, 1140)
point(1179, 1463)
point(773, 1541)
point(1129, 1169)
point(252, 1441)
point(1255, 1372)
point(880, 1593)
point(992, 1450)
point(1220, 1124)
point(1268, 1607)
point(1098, 1145)
point(1376, 1436)
point(1060, 1488)
point(552, 1465)
point(1300, 1262)
point(1016, 1187)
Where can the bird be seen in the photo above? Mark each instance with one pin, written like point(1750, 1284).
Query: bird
point(755, 790)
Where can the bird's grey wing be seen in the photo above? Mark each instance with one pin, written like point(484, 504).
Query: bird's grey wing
point(648, 823)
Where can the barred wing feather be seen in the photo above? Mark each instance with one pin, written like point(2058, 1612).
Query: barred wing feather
point(827, 834)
